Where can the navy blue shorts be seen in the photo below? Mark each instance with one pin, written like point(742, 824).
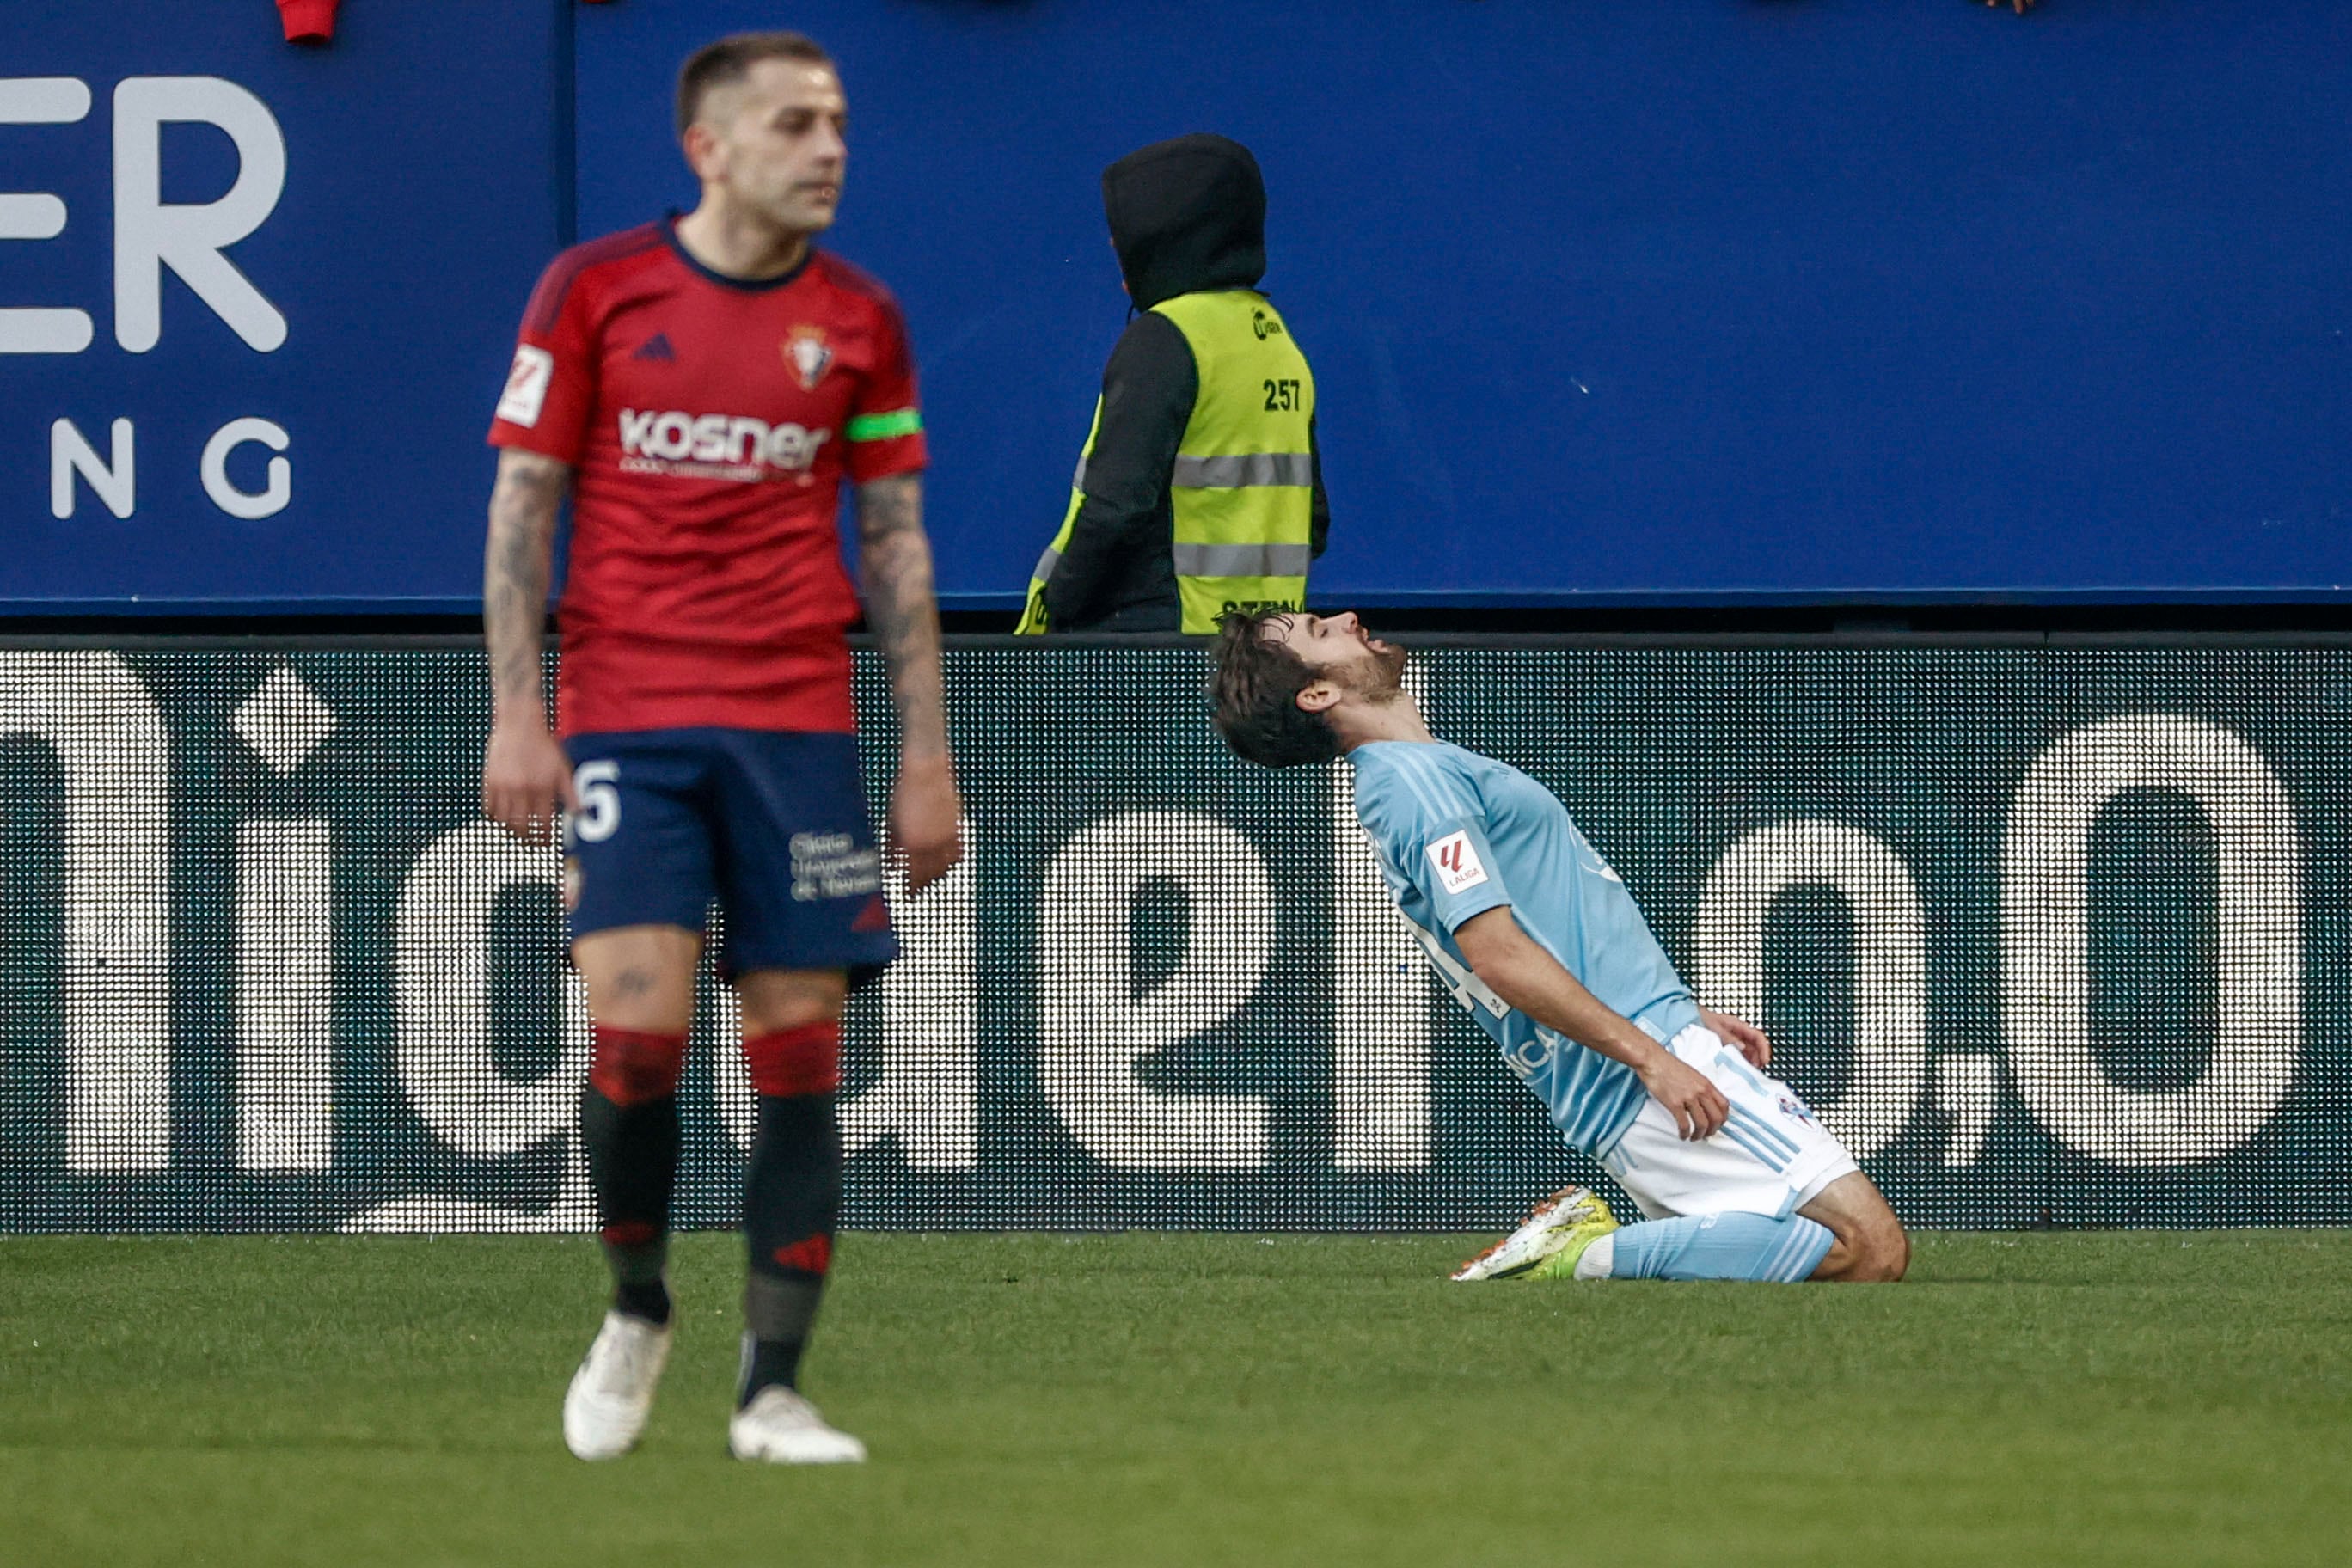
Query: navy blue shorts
point(771, 826)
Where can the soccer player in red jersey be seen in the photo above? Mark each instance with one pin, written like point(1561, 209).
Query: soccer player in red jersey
point(703, 387)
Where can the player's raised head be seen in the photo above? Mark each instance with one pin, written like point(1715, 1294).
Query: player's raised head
point(763, 119)
point(1255, 680)
point(1284, 683)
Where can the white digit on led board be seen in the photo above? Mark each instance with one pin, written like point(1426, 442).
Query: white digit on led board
point(1890, 959)
point(2045, 940)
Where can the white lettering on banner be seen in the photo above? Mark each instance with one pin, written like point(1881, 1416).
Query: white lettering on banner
point(150, 234)
point(1968, 1089)
point(2046, 939)
point(525, 397)
point(109, 741)
point(443, 937)
point(1093, 1031)
point(113, 479)
point(285, 995)
point(37, 214)
point(927, 1095)
point(285, 945)
point(112, 753)
point(730, 1078)
point(721, 445)
point(214, 469)
point(1890, 959)
point(1380, 1000)
point(443, 1050)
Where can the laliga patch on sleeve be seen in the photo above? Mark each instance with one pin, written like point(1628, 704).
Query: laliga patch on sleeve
point(526, 392)
point(1458, 867)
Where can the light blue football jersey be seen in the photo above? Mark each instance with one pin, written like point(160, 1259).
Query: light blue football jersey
point(1457, 834)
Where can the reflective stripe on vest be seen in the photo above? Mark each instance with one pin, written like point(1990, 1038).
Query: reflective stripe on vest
point(1244, 471)
point(1241, 560)
point(1240, 491)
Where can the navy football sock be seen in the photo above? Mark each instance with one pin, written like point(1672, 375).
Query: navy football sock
point(629, 1125)
point(792, 1199)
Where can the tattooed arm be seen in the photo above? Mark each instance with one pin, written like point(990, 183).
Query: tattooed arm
point(895, 566)
point(525, 777)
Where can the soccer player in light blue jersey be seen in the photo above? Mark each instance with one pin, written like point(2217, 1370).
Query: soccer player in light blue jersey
point(1539, 939)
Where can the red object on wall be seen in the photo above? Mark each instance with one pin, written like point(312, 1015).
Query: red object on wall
point(307, 19)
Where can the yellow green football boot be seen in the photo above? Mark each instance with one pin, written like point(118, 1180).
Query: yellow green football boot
point(1547, 1246)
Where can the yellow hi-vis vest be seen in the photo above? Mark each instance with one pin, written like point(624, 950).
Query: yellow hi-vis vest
point(1242, 490)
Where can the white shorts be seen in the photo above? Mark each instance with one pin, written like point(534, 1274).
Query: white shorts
point(1771, 1158)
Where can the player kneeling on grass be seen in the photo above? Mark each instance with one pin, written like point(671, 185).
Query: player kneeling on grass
point(1539, 939)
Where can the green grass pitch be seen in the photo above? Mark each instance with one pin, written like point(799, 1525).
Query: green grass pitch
point(2090, 1399)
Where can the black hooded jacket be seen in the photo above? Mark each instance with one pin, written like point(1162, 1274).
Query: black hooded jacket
point(1186, 216)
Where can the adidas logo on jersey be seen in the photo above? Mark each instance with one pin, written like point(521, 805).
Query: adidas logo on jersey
point(714, 446)
point(656, 347)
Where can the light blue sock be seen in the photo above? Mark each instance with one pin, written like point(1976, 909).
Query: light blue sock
point(1715, 1247)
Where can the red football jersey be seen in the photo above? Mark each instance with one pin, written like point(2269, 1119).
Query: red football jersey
point(710, 423)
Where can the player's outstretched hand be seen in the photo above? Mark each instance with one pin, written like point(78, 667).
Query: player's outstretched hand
point(1698, 1106)
point(926, 822)
point(526, 780)
point(1752, 1042)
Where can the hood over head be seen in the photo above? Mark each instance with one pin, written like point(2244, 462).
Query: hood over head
point(1185, 215)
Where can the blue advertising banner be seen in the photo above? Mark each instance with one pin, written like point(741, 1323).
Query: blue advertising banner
point(1690, 299)
point(256, 300)
point(1687, 302)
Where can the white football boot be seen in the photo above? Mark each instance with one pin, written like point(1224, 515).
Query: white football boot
point(782, 1429)
point(604, 1409)
point(1555, 1232)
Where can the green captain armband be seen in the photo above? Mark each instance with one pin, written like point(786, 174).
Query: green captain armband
point(884, 426)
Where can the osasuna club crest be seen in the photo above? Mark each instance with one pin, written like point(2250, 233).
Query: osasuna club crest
point(806, 352)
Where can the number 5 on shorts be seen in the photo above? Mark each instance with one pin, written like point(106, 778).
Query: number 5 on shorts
point(600, 802)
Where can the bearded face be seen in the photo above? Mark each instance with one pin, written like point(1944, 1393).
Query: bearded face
point(1338, 649)
point(1377, 677)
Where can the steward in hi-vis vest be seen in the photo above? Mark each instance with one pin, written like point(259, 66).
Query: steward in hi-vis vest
point(1200, 488)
